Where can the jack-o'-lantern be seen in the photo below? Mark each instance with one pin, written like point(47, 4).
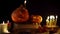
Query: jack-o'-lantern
point(20, 15)
point(36, 18)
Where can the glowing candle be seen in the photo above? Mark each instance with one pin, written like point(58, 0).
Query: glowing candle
point(51, 21)
point(4, 27)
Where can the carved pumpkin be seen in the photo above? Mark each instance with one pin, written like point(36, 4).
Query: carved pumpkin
point(36, 18)
point(20, 14)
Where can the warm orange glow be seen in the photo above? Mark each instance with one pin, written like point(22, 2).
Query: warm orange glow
point(20, 14)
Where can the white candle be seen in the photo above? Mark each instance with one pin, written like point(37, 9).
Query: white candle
point(4, 27)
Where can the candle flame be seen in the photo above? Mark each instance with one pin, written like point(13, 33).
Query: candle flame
point(52, 17)
point(25, 1)
point(3, 22)
point(56, 16)
point(8, 21)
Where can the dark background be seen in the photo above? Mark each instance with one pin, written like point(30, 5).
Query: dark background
point(43, 8)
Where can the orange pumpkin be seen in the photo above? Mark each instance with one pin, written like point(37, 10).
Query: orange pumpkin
point(20, 14)
point(36, 18)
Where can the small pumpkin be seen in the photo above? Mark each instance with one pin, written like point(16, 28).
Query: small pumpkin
point(36, 18)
